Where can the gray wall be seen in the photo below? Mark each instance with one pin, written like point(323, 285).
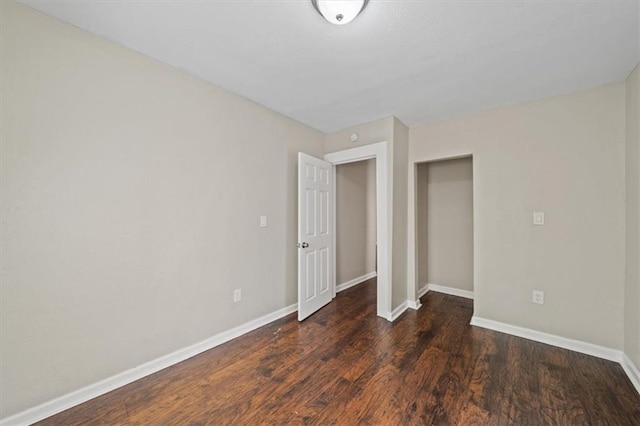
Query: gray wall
point(632, 281)
point(563, 156)
point(122, 237)
point(399, 217)
point(445, 213)
point(394, 132)
point(355, 220)
point(421, 183)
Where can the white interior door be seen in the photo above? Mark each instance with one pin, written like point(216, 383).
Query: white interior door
point(315, 224)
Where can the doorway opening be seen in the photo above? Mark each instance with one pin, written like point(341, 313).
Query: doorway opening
point(378, 152)
point(444, 226)
point(355, 223)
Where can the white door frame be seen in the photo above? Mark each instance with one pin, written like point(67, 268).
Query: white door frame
point(379, 151)
point(416, 289)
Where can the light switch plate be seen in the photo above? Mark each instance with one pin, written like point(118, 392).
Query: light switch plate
point(537, 296)
point(538, 218)
point(263, 221)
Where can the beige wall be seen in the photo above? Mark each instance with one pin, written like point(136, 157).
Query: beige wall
point(446, 221)
point(122, 238)
point(355, 220)
point(399, 223)
point(368, 133)
point(421, 183)
point(632, 284)
point(372, 225)
point(393, 131)
point(563, 156)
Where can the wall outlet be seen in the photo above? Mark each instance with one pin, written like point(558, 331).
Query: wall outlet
point(538, 297)
point(237, 295)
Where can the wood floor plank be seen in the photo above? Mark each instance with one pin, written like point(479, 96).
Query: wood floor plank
point(344, 365)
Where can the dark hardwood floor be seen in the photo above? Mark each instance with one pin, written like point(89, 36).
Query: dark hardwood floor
point(345, 365)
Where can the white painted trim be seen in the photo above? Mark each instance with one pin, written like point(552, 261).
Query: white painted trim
point(424, 290)
point(360, 153)
point(631, 370)
point(72, 399)
point(444, 289)
point(414, 304)
point(549, 339)
point(412, 254)
point(412, 224)
point(379, 151)
point(562, 342)
point(355, 281)
point(450, 290)
point(332, 229)
point(398, 311)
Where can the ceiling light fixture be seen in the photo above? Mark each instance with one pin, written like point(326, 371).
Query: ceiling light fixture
point(339, 12)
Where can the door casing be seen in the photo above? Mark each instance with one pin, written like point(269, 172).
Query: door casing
point(379, 151)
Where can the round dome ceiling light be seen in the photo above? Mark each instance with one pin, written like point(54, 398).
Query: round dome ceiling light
point(339, 12)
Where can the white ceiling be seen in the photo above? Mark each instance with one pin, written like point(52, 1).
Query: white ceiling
point(418, 60)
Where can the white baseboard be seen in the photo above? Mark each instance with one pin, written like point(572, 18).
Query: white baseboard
point(355, 281)
point(450, 290)
point(550, 339)
point(631, 370)
point(414, 304)
point(424, 290)
point(565, 343)
point(398, 311)
point(72, 399)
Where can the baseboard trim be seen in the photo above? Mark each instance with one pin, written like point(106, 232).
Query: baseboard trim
point(562, 342)
point(631, 370)
point(398, 311)
point(414, 304)
point(72, 399)
point(450, 290)
point(355, 281)
point(550, 339)
point(424, 290)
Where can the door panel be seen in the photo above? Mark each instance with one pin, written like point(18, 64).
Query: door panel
point(315, 244)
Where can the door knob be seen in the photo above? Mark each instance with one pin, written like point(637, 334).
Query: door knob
point(303, 245)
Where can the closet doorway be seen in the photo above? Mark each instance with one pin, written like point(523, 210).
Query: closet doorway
point(444, 235)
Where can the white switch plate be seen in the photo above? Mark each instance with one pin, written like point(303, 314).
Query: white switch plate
point(538, 218)
point(538, 297)
point(237, 295)
point(263, 221)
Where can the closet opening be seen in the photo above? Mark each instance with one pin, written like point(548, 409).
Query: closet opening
point(444, 231)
